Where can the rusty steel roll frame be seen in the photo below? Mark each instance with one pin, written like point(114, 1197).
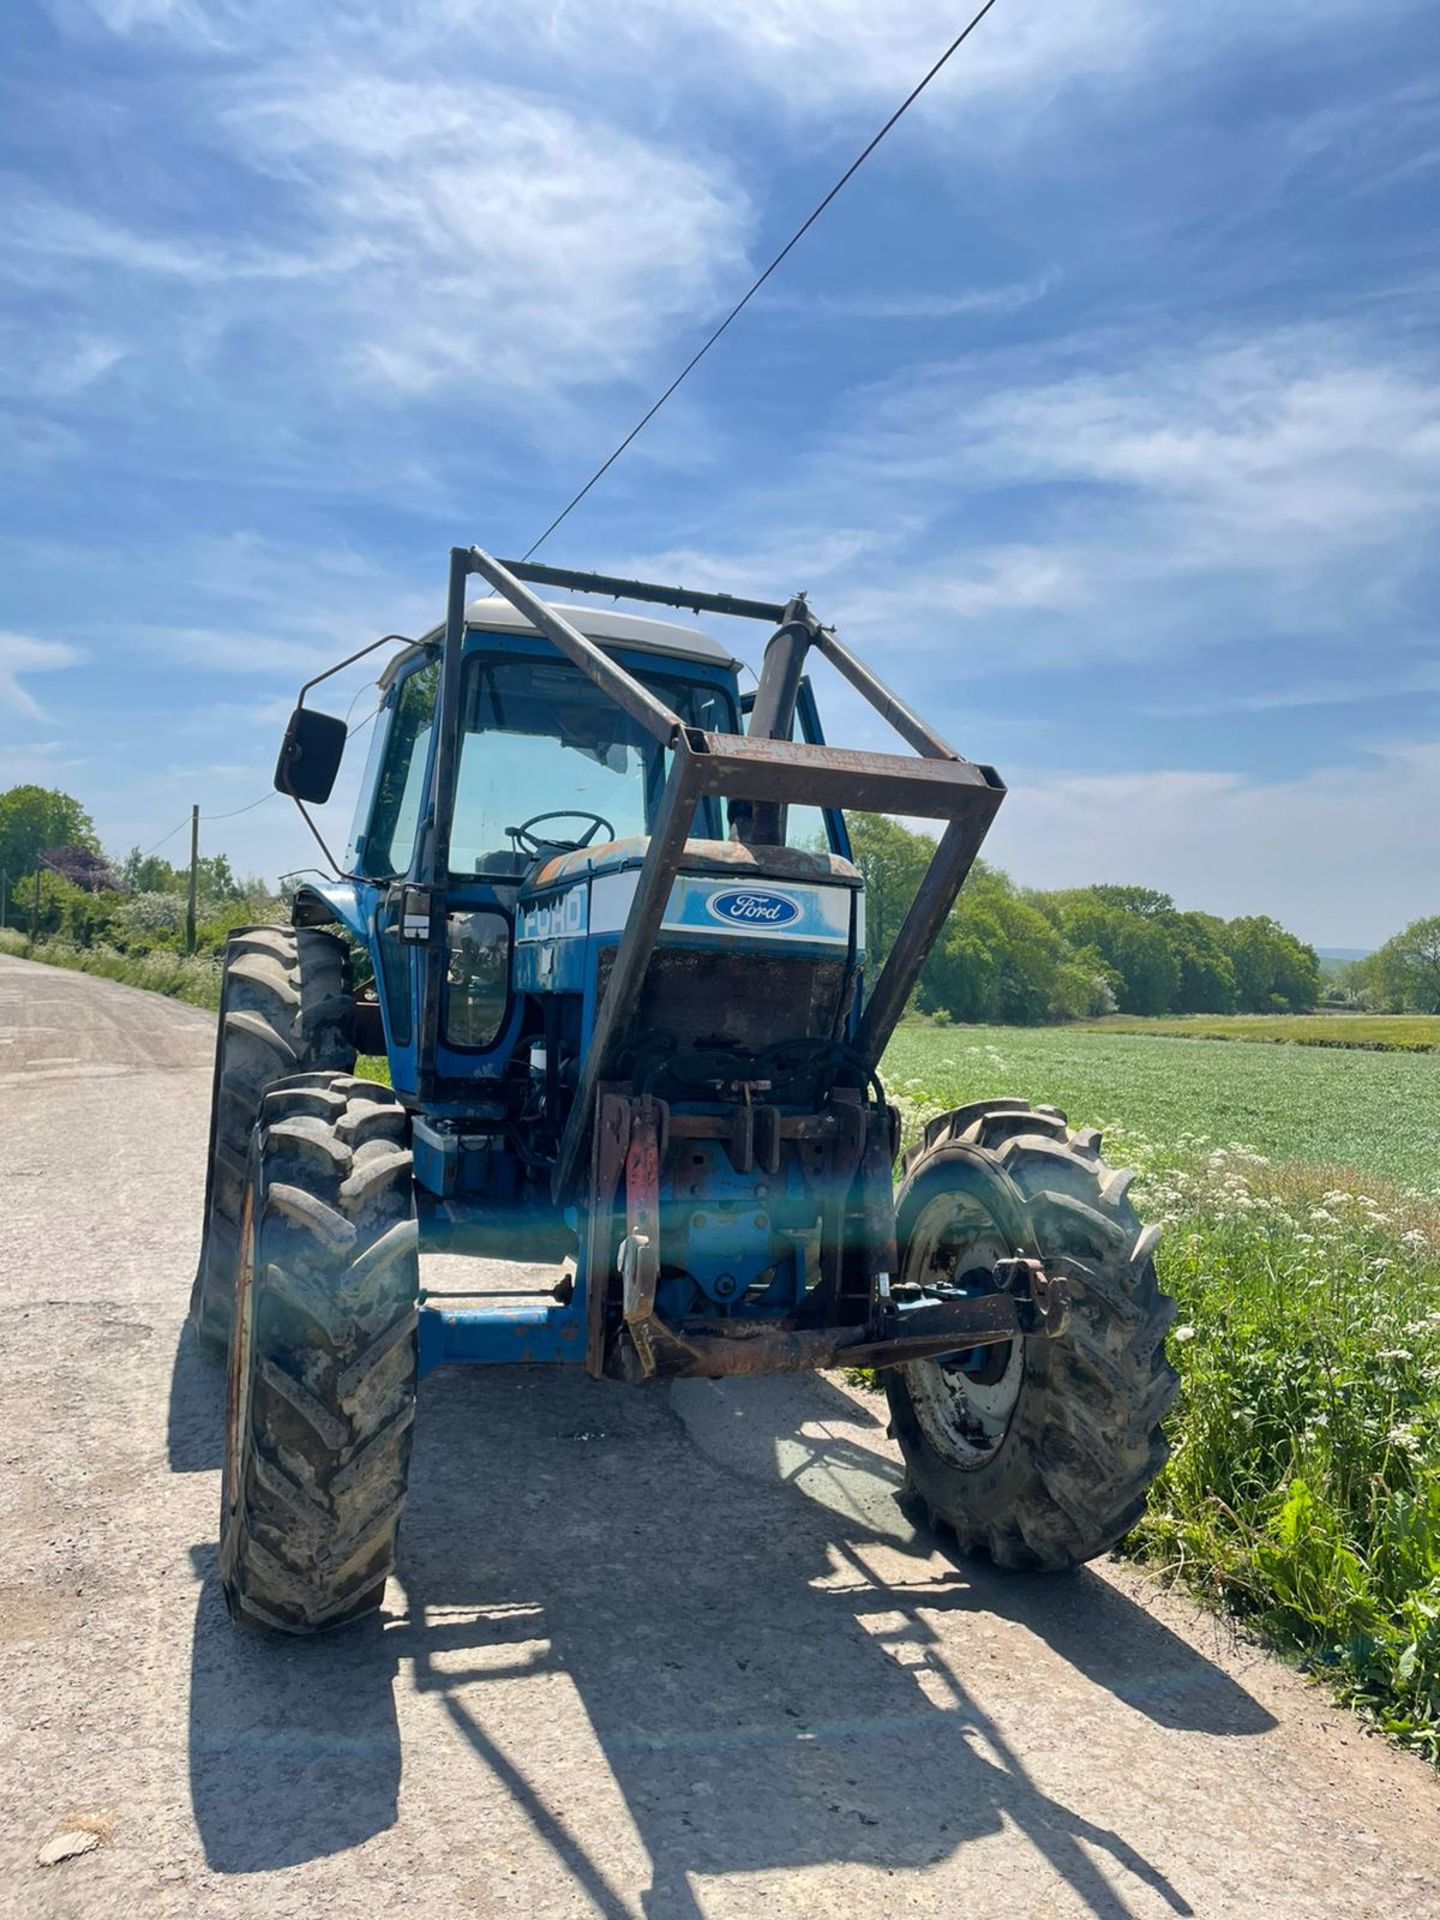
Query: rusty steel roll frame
point(610, 1138)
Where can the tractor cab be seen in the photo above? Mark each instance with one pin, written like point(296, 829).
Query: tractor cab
point(555, 792)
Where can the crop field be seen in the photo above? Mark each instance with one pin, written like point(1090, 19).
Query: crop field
point(1300, 1192)
point(1378, 1113)
point(1384, 1032)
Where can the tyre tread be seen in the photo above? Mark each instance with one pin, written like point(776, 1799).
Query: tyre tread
point(286, 1007)
point(1086, 1439)
point(308, 1539)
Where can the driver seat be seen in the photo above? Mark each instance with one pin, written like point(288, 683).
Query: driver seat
point(504, 864)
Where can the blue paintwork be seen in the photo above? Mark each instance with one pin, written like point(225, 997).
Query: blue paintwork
point(729, 1232)
point(561, 926)
point(503, 1333)
point(346, 901)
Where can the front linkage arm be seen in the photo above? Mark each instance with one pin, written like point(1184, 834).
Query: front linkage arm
point(880, 1330)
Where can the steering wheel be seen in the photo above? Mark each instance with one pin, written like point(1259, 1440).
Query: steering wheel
point(528, 842)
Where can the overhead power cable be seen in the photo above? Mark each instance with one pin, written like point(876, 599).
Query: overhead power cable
point(204, 817)
point(250, 806)
point(235, 811)
point(749, 294)
point(164, 837)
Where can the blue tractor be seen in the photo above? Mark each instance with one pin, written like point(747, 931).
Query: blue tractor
point(617, 965)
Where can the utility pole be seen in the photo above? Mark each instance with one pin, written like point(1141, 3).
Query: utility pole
point(194, 879)
point(4, 896)
point(35, 914)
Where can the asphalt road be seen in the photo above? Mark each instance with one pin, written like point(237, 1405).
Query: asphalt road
point(662, 1653)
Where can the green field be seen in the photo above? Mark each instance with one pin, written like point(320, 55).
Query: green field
point(1382, 1032)
point(1376, 1112)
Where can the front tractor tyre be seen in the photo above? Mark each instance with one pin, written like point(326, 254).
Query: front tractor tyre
point(1040, 1452)
point(321, 1403)
point(285, 1007)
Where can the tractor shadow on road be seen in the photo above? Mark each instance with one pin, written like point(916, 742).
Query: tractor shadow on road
point(684, 1636)
point(195, 1421)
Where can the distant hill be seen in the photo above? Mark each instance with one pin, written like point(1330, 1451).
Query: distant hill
point(1334, 960)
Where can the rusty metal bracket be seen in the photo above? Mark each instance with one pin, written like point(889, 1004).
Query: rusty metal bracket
point(640, 1249)
point(722, 1349)
point(847, 1151)
point(741, 1144)
point(607, 1160)
point(1042, 1300)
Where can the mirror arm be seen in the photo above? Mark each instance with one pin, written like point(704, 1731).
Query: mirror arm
point(335, 866)
point(385, 640)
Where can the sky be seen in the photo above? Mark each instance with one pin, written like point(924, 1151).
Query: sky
point(1101, 412)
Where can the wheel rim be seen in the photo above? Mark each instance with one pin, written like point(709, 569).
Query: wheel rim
point(237, 1409)
point(964, 1402)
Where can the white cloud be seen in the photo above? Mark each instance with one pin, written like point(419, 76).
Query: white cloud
point(41, 229)
point(853, 47)
point(262, 608)
point(1380, 685)
point(1225, 492)
point(1011, 579)
point(41, 763)
point(428, 233)
point(52, 365)
point(840, 51)
point(267, 714)
point(495, 236)
point(1303, 437)
point(1280, 441)
point(19, 653)
point(1342, 855)
point(878, 304)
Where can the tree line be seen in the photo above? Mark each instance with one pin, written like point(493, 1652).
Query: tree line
point(1403, 976)
point(1008, 954)
point(59, 884)
point(1023, 957)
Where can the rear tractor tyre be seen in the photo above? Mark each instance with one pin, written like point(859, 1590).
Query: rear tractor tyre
point(321, 1404)
point(1039, 1453)
point(285, 1007)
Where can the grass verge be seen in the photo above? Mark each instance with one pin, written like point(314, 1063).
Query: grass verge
point(1303, 1488)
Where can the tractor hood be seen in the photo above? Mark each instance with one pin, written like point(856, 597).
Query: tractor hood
point(780, 900)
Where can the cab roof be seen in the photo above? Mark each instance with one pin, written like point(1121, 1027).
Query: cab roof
point(603, 624)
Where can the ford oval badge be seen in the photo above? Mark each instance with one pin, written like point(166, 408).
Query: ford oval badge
point(750, 907)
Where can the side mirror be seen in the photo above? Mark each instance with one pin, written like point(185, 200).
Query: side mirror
point(310, 757)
